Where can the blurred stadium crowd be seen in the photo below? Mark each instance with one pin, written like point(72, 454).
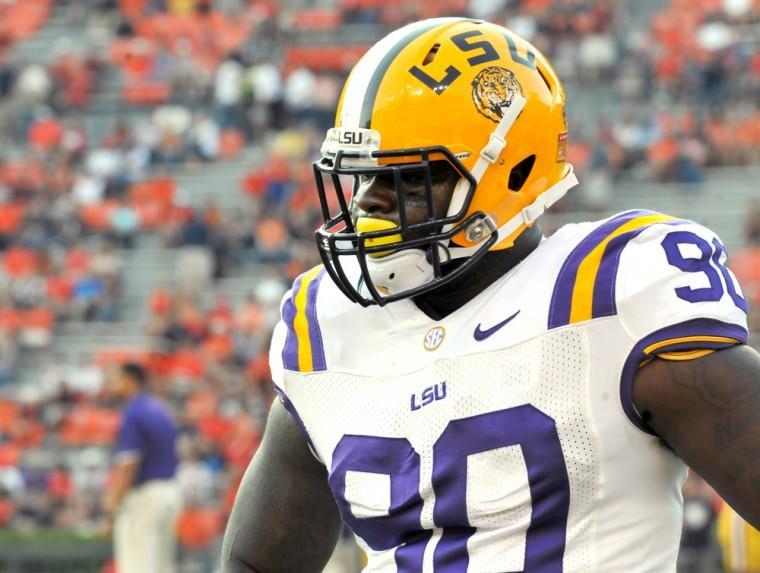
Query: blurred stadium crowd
point(254, 83)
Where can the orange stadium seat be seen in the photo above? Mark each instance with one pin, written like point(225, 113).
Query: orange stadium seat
point(11, 217)
point(88, 425)
point(7, 509)
point(186, 363)
point(133, 9)
point(201, 405)
point(153, 200)
point(146, 93)
point(21, 19)
point(9, 412)
point(97, 217)
point(231, 143)
point(20, 262)
point(59, 289)
point(10, 319)
point(198, 527)
point(215, 428)
point(38, 318)
point(10, 454)
point(325, 58)
point(110, 357)
point(317, 18)
point(158, 189)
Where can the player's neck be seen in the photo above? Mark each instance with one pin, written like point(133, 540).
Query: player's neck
point(450, 297)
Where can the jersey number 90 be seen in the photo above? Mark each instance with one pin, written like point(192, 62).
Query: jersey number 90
point(523, 426)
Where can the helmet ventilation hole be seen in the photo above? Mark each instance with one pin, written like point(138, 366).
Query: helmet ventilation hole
point(520, 173)
point(431, 55)
point(546, 80)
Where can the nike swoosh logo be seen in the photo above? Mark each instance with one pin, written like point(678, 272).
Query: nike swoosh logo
point(481, 335)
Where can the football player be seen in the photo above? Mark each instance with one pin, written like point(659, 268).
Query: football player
point(465, 394)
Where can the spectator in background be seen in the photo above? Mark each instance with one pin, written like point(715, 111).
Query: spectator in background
point(143, 496)
point(227, 92)
point(8, 356)
point(698, 552)
point(752, 225)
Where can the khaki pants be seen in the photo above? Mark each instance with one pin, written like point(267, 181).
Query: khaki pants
point(144, 529)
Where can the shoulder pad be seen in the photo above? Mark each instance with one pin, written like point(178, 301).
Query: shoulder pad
point(585, 286)
point(299, 340)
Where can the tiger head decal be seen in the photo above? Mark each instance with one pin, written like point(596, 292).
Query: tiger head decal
point(493, 90)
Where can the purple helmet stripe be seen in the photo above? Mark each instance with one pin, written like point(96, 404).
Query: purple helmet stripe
point(696, 327)
point(559, 308)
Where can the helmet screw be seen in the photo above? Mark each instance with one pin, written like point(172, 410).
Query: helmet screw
point(475, 233)
point(480, 230)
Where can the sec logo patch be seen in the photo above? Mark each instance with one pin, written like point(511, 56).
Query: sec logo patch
point(434, 338)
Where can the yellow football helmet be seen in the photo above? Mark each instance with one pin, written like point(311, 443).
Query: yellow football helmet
point(464, 91)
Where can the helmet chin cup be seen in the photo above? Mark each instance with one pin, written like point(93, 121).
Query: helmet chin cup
point(401, 271)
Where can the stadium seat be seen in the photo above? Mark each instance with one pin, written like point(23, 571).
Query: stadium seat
point(112, 357)
point(97, 217)
point(323, 58)
point(9, 414)
point(186, 364)
point(10, 454)
point(19, 262)
point(88, 425)
point(231, 143)
point(11, 217)
point(198, 527)
point(317, 19)
point(201, 405)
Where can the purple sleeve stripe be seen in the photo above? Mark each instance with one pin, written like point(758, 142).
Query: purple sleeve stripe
point(294, 413)
point(692, 328)
point(290, 352)
point(559, 308)
point(315, 333)
point(604, 302)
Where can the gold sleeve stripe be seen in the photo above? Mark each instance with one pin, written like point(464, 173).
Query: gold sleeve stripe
point(685, 354)
point(698, 338)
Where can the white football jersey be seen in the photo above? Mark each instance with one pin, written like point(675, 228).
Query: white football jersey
point(504, 436)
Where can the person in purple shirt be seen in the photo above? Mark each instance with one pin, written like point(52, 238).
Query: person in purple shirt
point(144, 499)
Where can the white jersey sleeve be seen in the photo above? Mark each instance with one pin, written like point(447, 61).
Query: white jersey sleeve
point(676, 298)
point(297, 347)
point(297, 344)
point(673, 278)
point(666, 282)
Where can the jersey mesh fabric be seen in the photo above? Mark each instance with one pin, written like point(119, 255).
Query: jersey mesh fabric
point(550, 372)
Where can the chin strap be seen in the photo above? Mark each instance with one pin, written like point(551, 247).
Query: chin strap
point(489, 154)
point(526, 216)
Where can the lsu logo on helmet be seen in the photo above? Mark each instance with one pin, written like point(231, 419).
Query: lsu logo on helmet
point(493, 90)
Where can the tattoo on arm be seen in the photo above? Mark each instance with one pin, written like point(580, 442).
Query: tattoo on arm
point(708, 411)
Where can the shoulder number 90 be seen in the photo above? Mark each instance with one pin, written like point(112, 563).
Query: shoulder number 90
point(711, 262)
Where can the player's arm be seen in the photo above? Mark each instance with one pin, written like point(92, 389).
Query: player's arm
point(123, 477)
point(708, 411)
point(284, 518)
